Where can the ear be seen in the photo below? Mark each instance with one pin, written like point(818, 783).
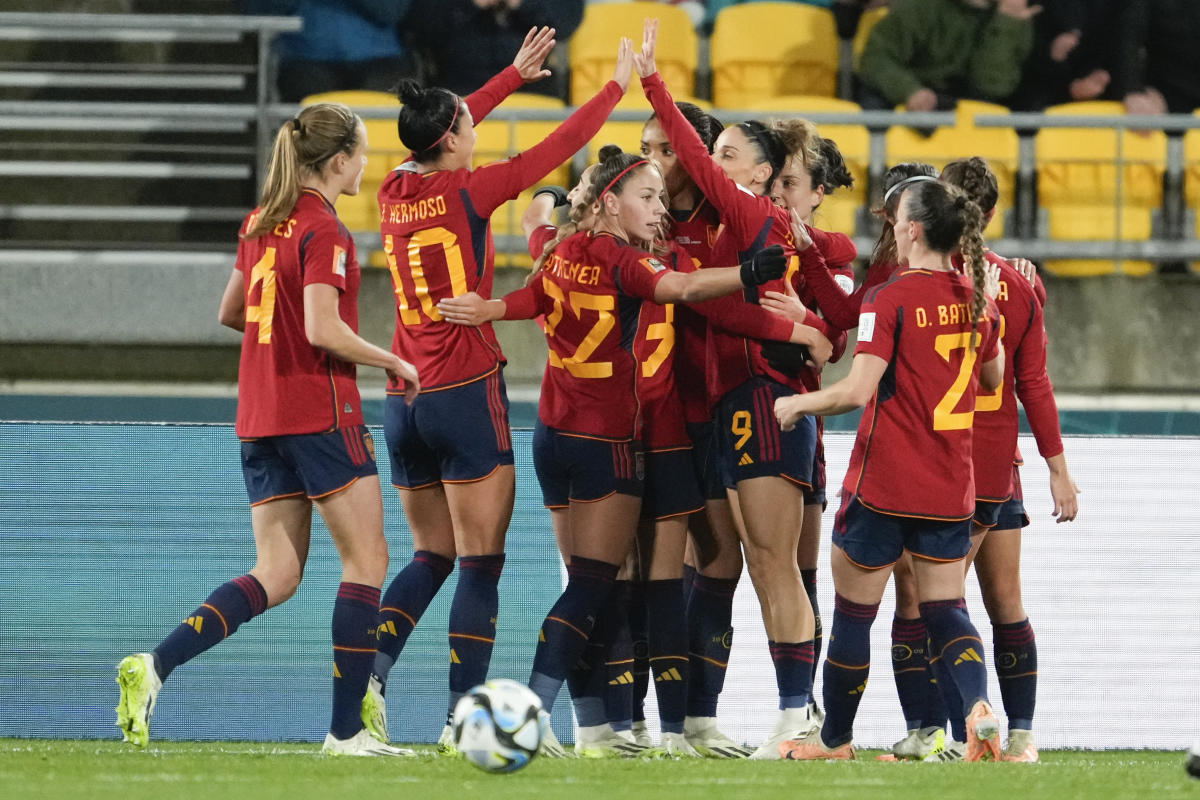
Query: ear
point(818, 195)
point(761, 173)
point(609, 204)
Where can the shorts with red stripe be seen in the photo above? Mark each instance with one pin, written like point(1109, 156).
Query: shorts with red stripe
point(455, 435)
point(1003, 515)
point(311, 465)
point(750, 443)
point(577, 468)
point(873, 539)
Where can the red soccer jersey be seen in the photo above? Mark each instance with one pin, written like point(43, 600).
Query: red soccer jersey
point(912, 455)
point(1023, 334)
point(285, 385)
point(695, 230)
point(438, 239)
point(591, 289)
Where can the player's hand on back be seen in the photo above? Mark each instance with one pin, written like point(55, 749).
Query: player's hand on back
point(466, 309)
point(532, 55)
point(403, 372)
point(644, 61)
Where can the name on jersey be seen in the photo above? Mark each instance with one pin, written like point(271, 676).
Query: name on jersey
point(425, 208)
point(586, 274)
point(952, 314)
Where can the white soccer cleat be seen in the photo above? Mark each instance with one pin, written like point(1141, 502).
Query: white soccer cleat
point(361, 744)
point(374, 711)
point(601, 741)
point(1020, 748)
point(445, 742)
point(676, 745)
point(793, 724)
point(140, 686)
point(550, 746)
point(954, 751)
point(703, 735)
point(641, 735)
point(919, 745)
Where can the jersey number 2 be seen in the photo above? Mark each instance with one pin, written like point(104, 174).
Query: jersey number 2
point(945, 418)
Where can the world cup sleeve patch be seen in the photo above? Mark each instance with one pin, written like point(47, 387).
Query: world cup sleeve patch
point(652, 264)
point(339, 261)
point(844, 282)
point(866, 326)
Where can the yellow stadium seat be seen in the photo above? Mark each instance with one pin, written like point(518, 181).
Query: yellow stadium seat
point(1191, 179)
point(998, 146)
point(866, 24)
point(764, 50)
point(838, 212)
point(593, 48)
point(1078, 173)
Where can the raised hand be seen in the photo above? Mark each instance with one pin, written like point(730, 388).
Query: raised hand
point(800, 231)
point(991, 280)
point(644, 61)
point(532, 55)
point(624, 69)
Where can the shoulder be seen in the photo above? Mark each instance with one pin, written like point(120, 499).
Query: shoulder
point(899, 283)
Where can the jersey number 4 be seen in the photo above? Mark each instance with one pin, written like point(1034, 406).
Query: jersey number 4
point(263, 313)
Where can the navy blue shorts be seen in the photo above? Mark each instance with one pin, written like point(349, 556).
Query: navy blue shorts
point(1005, 515)
point(873, 540)
point(750, 443)
point(455, 435)
point(704, 464)
point(670, 489)
point(312, 465)
point(582, 469)
point(816, 495)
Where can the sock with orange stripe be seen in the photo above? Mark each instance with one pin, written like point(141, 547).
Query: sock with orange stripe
point(1015, 654)
point(809, 578)
point(473, 622)
point(955, 641)
point(229, 606)
point(847, 665)
point(710, 635)
point(355, 613)
point(565, 631)
point(910, 667)
point(405, 600)
point(668, 651)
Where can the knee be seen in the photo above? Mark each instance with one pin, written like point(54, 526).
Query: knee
point(279, 583)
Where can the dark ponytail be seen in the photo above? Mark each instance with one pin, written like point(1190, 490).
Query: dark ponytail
point(830, 170)
point(975, 177)
point(951, 222)
point(770, 146)
point(426, 118)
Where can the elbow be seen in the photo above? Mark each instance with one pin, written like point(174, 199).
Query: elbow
point(318, 335)
point(230, 319)
point(859, 396)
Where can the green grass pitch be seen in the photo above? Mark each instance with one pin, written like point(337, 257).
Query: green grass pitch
point(81, 770)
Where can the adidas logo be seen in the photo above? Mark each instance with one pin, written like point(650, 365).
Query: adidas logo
point(968, 655)
point(195, 622)
point(454, 659)
point(624, 679)
point(862, 687)
point(670, 675)
point(745, 460)
point(389, 627)
point(337, 673)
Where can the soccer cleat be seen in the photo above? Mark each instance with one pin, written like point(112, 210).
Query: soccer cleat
point(601, 741)
point(676, 745)
point(550, 746)
point(374, 711)
point(954, 751)
point(140, 686)
point(445, 742)
point(983, 733)
point(815, 713)
point(919, 745)
point(1020, 747)
point(811, 748)
point(793, 724)
point(703, 735)
point(641, 735)
point(361, 744)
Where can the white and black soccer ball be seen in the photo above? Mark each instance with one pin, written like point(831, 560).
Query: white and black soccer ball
point(496, 725)
point(1193, 761)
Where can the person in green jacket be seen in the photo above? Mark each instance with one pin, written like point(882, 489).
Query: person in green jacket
point(926, 54)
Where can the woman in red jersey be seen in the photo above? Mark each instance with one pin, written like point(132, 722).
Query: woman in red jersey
point(927, 340)
point(587, 446)
point(451, 451)
point(294, 293)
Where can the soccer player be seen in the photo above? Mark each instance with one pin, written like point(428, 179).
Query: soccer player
point(451, 451)
point(294, 294)
point(927, 340)
point(593, 288)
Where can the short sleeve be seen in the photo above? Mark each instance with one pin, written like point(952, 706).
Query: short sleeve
point(638, 274)
point(325, 252)
point(877, 323)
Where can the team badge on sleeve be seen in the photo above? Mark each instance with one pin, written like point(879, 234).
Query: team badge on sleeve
point(652, 264)
point(866, 326)
point(339, 261)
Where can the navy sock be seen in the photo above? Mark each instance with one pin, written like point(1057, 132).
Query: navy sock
point(847, 666)
point(355, 613)
point(910, 666)
point(943, 702)
point(689, 578)
point(406, 598)
point(565, 631)
point(586, 680)
point(956, 643)
point(710, 635)
point(473, 613)
point(793, 672)
point(809, 578)
point(668, 651)
point(1015, 654)
point(619, 660)
point(641, 649)
point(229, 606)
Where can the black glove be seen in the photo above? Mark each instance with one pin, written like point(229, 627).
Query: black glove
point(787, 358)
point(557, 192)
point(765, 265)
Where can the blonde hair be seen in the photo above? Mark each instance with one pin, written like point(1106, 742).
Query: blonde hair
point(800, 139)
point(303, 145)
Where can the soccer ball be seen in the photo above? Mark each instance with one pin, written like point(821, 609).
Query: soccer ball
point(1193, 761)
point(496, 725)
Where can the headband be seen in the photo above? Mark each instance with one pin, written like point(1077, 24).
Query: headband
point(619, 176)
point(297, 126)
point(905, 183)
point(453, 119)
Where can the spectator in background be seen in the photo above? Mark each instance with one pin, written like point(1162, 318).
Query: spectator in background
point(1073, 43)
point(697, 10)
point(466, 42)
point(926, 54)
point(847, 13)
point(1157, 62)
point(345, 44)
